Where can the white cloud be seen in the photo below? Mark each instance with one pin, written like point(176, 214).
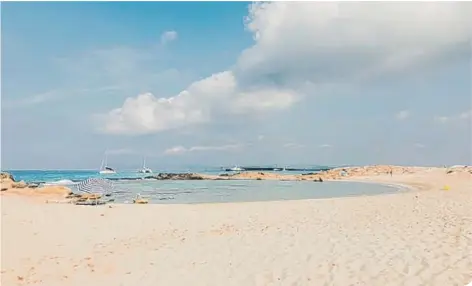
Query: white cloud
point(326, 146)
point(168, 36)
point(260, 137)
point(328, 41)
point(33, 100)
point(419, 145)
point(442, 119)
point(199, 103)
point(55, 95)
point(293, 145)
point(304, 44)
point(175, 150)
point(402, 115)
point(178, 150)
point(466, 115)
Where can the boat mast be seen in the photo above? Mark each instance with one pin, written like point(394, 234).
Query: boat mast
point(103, 163)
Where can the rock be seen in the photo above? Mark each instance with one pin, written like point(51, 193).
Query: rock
point(54, 190)
point(177, 176)
point(308, 174)
point(89, 196)
point(73, 196)
point(7, 176)
point(7, 180)
point(19, 185)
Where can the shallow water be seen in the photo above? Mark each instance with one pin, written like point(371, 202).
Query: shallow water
point(172, 192)
point(184, 192)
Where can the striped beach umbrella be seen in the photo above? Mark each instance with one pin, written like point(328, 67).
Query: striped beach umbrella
point(96, 185)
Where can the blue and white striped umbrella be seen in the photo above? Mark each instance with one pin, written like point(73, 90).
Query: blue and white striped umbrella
point(96, 185)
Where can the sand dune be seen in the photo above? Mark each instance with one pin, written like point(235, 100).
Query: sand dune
point(421, 237)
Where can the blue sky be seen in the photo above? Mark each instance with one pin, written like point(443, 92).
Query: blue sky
point(228, 83)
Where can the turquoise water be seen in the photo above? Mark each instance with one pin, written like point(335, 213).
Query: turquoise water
point(69, 176)
point(171, 192)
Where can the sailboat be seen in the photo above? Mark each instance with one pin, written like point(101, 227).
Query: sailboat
point(104, 169)
point(144, 169)
point(236, 169)
point(277, 168)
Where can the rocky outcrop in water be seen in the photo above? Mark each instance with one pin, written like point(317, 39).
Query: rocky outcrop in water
point(9, 184)
point(176, 176)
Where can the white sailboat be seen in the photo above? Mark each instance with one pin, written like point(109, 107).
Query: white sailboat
point(104, 169)
point(236, 169)
point(144, 169)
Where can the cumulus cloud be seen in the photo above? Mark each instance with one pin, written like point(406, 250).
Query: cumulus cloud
point(179, 150)
point(329, 41)
point(305, 44)
point(402, 115)
point(199, 103)
point(466, 115)
point(168, 36)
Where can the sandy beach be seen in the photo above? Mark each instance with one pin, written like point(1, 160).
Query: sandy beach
point(417, 237)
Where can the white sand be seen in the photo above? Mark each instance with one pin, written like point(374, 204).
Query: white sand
point(411, 238)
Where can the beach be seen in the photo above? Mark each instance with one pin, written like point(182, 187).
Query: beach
point(418, 237)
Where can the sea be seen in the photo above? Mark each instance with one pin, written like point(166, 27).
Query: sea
point(128, 184)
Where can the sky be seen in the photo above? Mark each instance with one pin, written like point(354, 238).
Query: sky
point(225, 83)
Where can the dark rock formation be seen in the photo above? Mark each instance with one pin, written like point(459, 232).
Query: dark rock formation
point(309, 174)
point(176, 176)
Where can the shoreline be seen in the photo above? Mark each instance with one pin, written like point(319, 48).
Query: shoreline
point(52, 199)
point(406, 238)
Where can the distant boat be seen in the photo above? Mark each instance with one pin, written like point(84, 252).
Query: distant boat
point(144, 169)
point(277, 168)
point(104, 169)
point(236, 169)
